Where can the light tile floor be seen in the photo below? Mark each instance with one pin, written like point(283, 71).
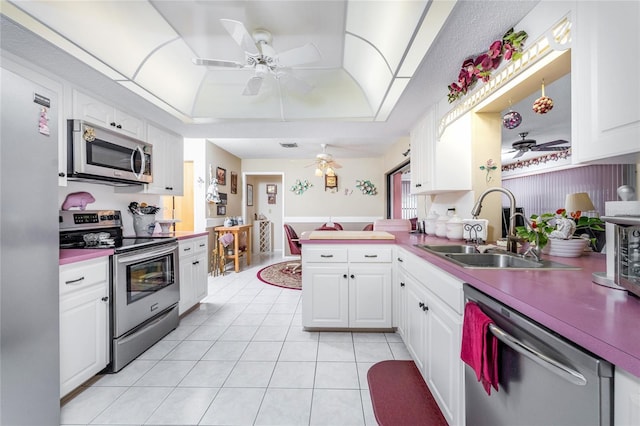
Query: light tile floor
point(242, 358)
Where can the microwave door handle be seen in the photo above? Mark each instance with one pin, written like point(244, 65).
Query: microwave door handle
point(142, 165)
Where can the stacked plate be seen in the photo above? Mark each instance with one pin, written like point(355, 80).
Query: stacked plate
point(565, 248)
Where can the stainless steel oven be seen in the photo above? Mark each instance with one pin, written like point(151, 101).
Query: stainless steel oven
point(145, 294)
point(144, 285)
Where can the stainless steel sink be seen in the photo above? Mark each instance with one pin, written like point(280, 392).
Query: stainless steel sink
point(468, 257)
point(453, 248)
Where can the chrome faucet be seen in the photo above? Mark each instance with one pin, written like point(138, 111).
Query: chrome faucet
point(512, 243)
point(534, 252)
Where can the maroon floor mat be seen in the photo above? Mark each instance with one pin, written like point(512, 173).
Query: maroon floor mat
point(400, 396)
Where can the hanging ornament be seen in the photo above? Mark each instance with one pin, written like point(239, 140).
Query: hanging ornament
point(543, 104)
point(512, 119)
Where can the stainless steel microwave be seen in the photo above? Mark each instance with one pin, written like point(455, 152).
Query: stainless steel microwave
point(97, 153)
point(626, 251)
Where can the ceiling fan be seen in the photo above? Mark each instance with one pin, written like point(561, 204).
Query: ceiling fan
point(325, 164)
point(263, 58)
point(526, 145)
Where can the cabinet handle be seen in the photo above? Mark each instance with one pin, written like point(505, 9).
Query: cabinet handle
point(74, 281)
point(186, 249)
point(421, 304)
point(344, 276)
point(105, 299)
point(326, 255)
point(169, 188)
point(418, 185)
point(119, 126)
point(425, 307)
point(401, 284)
point(195, 263)
point(400, 260)
point(370, 255)
point(113, 123)
point(352, 276)
point(201, 245)
point(61, 174)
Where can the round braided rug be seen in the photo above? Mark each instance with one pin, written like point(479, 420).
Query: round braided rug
point(280, 276)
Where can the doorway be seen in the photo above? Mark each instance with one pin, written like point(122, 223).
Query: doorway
point(401, 204)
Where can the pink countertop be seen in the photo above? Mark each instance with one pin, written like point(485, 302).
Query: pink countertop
point(600, 319)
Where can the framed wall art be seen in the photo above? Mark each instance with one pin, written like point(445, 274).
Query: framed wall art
point(223, 198)
point(249, 195)
point(271, 199)
point(221, 210)
point(234, 183)
point(272, 188)
point(221, 176)
point(331, 182)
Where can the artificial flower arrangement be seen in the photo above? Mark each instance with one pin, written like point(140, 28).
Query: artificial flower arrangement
point(558, 225)
point(508, 48)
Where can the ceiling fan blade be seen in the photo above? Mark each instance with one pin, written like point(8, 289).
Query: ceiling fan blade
point(519, 154)
point(550, 148)
point(556, 142)
point(253, 86)
point(268, 50)
point(217, 63)
point(299, 55)
point(294, 84)
point(241, 36)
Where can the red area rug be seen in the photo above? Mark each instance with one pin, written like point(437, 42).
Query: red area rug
point(281, 276)
point(401, 397)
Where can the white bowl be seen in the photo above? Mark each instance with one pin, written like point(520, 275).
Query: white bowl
point(565, 248)
point(165, 225)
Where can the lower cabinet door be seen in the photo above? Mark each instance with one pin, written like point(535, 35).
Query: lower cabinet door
point(416, 329)
point(370, 296)
point(325, 296)
point(83, 336)
point(443, 366)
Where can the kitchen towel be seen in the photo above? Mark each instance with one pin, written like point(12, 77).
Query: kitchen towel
point(226, 239)
point(479, 346)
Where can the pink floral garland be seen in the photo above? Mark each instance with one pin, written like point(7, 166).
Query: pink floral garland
point(509, 48)
point(536, 161)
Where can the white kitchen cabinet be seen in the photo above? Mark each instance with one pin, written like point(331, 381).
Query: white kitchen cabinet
point(84, 321)
point(434, 304)
point(626, 398)
point(399, 295)
point(422, 141)
point(605, 97)
point(347, 287)
point(168, 163)
point(193, 272)
point(440, 164)
point(87, 108)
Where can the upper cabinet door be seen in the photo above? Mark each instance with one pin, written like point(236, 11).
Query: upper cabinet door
point(100, 113)
point(606, 90)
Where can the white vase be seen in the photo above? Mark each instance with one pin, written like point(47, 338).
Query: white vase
point(573, 247)
point(144, 224)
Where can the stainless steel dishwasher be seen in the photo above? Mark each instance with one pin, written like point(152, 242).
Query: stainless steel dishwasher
point(543, 378)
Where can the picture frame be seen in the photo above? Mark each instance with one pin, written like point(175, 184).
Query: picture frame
point(272, 188)
point(223, 198)
point(249, 195)
point(330, 182)
point(221, 176)
point(271, 199)
point(234, 183)
point(221, 210)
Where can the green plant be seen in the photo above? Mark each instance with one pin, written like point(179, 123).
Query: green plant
point(547, 225)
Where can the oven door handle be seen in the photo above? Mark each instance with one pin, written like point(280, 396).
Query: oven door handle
point(538, 357)
point(126, 258)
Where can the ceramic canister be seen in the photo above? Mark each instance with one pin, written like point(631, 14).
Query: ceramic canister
point(430, 223)
point(441, 226)
point(454, 228)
